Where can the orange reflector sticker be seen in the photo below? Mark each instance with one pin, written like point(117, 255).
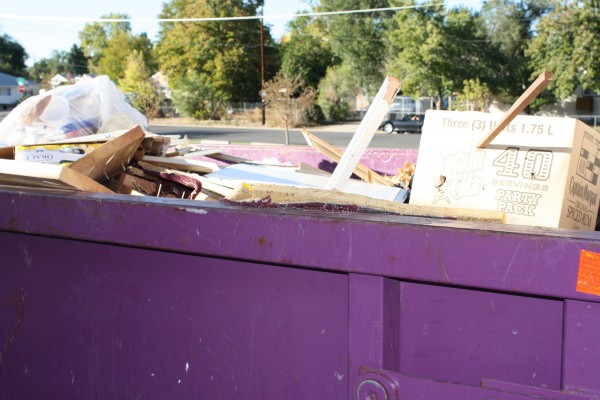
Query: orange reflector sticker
point(588, 276)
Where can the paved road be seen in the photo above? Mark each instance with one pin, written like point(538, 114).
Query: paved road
point(337, 135)
point(277, 136)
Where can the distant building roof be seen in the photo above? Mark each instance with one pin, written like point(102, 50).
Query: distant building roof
point(57, 80)
point(7, 80)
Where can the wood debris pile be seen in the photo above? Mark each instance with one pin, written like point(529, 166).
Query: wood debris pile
point(139, 163)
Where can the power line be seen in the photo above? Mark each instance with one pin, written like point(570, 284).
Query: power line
point(208, 19)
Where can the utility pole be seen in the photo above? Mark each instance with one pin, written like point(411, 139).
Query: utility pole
point(262, 65)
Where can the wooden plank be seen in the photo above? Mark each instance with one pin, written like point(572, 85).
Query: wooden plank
point(182, 164)
point(228, 158)
point(129, 184)
point(522, 102)
point(233, 175)
point(110, 158)
point(364, 172)
point(156, 145)
point(309, 169)
point(201, 152)
point(7, 153)
point(289, 195)
point(367, 128)
point(50, 176)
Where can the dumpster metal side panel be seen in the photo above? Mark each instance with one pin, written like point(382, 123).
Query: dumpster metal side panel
point(100, 292)
point(517, 259)
point(86, 320)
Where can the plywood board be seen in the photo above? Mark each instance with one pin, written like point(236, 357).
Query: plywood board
point(23, 173)
point(182, 164)
point(288, 195)
point(233, 175)
point(110, 158)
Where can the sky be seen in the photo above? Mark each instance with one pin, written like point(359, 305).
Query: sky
point(41, 37)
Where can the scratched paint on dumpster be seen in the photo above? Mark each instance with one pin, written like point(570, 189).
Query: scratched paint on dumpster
point(588, 275)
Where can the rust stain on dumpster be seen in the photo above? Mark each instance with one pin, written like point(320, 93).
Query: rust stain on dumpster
point(262, 241)
point(15, 302)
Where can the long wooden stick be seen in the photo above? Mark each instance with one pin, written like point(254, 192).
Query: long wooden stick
point(527, 97)
point(364, 172)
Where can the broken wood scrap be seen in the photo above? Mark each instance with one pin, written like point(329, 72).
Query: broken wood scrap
point(226, 158)
point(289, 196)
point(168, 178)
point(113, 156)
point(404, 176)
point(49, 176)
point(128, 183)
point(7, 153)
point(182, 164)
point(519, 105)
point(361, 170)
point(155, 145)
point(309, 169)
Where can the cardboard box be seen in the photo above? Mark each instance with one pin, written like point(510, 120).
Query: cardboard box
point(54, 153)
point(540, 171)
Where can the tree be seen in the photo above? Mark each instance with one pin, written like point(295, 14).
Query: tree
point(12, 56)
point(136, 84)
point(568, 45)
point(358, 39)
point(95, 36)
point(76, 60)
point(46, 68)
point(509, 26)
point(475, 95)
point(117, 48)
point(225, 55)
point(336, 92)
point(195, 96)
point(305, 53)
point(434, 50)
point(288, 95)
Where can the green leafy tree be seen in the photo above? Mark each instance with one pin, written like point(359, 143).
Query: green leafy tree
point(137, 85)
point(59, 62)
point(305, 54)
point(337, 91)
point(195, 96)
point(475, 95)
point(12, 56)
point(95, 36)
point(118, 47)
point(76, 60)
point(568, 45)
point(224, 55)
point(509, 25)
point(434, 50)
point(359, 40)
point(46, 68)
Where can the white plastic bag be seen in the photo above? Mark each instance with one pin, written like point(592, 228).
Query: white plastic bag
point(92, 105)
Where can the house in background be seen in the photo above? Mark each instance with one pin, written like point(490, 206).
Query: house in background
point(9, 90)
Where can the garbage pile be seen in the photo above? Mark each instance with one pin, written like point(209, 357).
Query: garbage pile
point(86, 137)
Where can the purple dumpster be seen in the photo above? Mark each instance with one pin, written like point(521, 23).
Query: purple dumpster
point(119, 297)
